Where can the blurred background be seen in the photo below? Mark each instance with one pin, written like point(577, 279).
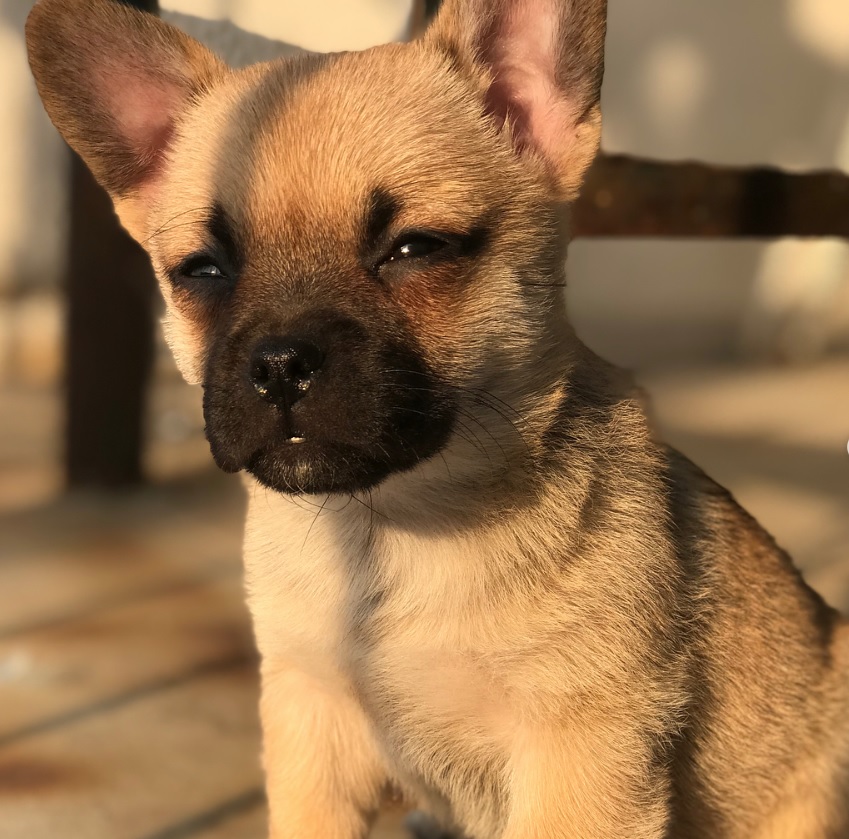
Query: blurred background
point(126, 676)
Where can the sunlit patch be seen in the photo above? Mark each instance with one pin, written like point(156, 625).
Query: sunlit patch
point(823, 27)
point(676, 78)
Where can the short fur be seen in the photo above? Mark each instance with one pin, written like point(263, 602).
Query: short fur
point(477, 575)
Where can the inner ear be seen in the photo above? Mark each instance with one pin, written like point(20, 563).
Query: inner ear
point(139, 112)
point(541, 64)
point(115, 81)
point(522, 64)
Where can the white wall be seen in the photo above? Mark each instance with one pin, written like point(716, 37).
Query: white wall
point(729, 82)
point(320, 25)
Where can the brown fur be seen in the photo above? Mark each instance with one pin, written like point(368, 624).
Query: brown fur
point(556, 626)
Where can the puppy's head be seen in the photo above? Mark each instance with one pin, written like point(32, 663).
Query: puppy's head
point(356, 250)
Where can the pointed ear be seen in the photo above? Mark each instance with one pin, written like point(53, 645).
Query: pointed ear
point(540, 64)
point(115, 81)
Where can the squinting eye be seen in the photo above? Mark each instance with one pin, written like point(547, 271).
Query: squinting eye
point(204, 270)
point(201, 273)
point(416, 246)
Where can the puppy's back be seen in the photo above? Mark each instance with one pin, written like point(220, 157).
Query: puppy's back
point(769, 679)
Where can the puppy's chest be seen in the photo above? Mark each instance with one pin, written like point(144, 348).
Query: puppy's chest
point(426, 676)
point(409, 644)
point(419, 674)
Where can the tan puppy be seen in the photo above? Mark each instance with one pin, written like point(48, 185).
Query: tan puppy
point(476, 575)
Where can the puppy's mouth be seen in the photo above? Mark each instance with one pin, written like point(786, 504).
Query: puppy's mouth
point(312, 471)
point(300, 465)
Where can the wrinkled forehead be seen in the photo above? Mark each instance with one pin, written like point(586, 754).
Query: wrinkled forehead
point(296, 143)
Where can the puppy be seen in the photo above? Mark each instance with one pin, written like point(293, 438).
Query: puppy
point(473, 571)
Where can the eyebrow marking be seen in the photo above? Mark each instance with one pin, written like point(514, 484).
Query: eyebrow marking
point(221, 246)
point(476, 240)
point(221, 229)
point(383, 208)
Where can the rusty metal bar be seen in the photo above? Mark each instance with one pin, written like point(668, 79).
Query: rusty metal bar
point(626, 196)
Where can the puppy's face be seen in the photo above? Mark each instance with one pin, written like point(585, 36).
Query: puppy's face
point(353, 248)
point(341, 277)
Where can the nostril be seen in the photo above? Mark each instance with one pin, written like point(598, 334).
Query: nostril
point(261, 373)
point(296, 369)
point(306, 359)
point(283, 369)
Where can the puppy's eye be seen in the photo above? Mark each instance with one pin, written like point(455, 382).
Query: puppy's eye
point(201, 270)
point(415, 246)
point(202, 267)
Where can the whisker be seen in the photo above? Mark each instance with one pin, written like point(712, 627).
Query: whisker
point(164, 227)
point(445, 462)
point(315, 519)
point(509, 422)
point(370, 506)
point(492, 437)
point(473, 440)
point(310, 504)
point(478, 396)
point(493, 398)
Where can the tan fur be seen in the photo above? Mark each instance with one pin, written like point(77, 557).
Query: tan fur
point(555, 627)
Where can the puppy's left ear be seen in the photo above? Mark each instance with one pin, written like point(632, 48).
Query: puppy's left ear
point(540, 65)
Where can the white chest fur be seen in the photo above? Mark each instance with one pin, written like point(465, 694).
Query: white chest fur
point(392, 614)
point(451, 636)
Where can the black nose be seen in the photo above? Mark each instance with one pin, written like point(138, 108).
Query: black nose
point(283, 369)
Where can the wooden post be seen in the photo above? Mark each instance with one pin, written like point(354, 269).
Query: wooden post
point(109, 338)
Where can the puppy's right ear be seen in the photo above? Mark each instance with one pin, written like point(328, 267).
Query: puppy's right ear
point(115, 81)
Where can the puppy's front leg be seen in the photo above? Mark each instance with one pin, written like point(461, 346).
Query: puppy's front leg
point(323, 773)
point(577, 785)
